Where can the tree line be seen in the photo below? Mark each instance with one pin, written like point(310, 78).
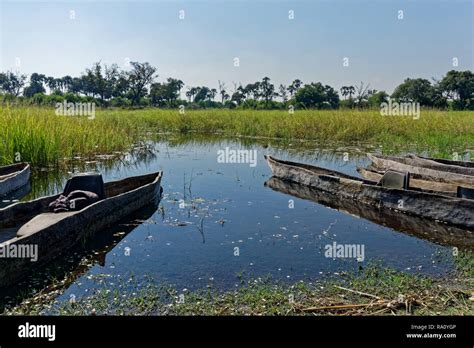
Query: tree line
point(110, 86)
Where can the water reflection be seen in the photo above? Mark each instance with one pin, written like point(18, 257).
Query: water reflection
point(61, 273)
point(415, 226)
point(209, 208)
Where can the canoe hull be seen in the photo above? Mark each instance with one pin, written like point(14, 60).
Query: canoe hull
point(16, 181)
point(73, 228)
point(451, 210)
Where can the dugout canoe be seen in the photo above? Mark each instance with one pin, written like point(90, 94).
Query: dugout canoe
point(451, 210)
point(466, 164)
point(448, 166)
point(80, 259)
point(426, 185)
point(433, 173)
point(13, 177)
point(433, 231)
point(26, 224)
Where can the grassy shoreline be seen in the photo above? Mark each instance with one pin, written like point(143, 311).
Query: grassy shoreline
point(373, 290)
point(45, 139)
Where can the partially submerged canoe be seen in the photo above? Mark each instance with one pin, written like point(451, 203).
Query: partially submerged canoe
point(434, 173)
point(433, 231)
point(13, 177)
point(28, 224)
point(451, 210)
point(426, 185)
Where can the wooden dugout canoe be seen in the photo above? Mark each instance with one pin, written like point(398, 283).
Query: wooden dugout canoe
point(80, 259)
point(447, 166)
point(30, 223)
point(441, 187)
point(434, 173)
point(451, 210)
point(412, 225)
point(13, 177)
point(466, 164)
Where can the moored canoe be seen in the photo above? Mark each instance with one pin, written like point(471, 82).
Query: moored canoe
point(29, 224)
point(451, 210)
point(431, 174)
point(13, 177)
point(467, 164)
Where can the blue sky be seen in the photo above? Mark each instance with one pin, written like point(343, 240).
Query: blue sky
point(200, 49)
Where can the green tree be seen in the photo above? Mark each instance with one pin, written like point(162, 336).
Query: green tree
point(376, 98)
point(12, 83)
point(316, 95)
point(35, 86)
point(459, 87)
point(267, 90)
point(347, 91)
point(139, 78)
point(283, 93)
point(416, 91)
point(294, 87)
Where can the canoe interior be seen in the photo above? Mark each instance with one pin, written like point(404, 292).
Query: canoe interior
point(427, 163)
point(372, 180)
point(13, 217)
point(318, 170)
point(12, 169)
point(415, 184)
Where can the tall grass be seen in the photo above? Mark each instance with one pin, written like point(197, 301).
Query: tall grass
point(43, 138)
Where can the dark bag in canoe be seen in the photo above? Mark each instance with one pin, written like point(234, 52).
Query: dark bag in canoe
point(393, 179)
point(465, 192)
point(86, 182)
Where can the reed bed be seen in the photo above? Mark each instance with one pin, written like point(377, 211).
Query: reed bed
point(45, 139)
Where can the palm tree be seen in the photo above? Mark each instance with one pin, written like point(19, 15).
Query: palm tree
point(351, 91)
point(344, 91)
point(283, 93)
point(294, 87)
point(222, 91)
point(212, 94)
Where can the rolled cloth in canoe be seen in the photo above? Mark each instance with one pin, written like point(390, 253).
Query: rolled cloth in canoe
point(76, 200)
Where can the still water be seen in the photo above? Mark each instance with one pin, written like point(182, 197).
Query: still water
point(218, 222)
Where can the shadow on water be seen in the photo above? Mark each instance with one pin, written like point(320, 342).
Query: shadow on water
point(426, 229)
point(59, 274)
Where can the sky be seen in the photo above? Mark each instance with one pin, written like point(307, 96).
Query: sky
point(243, 41)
